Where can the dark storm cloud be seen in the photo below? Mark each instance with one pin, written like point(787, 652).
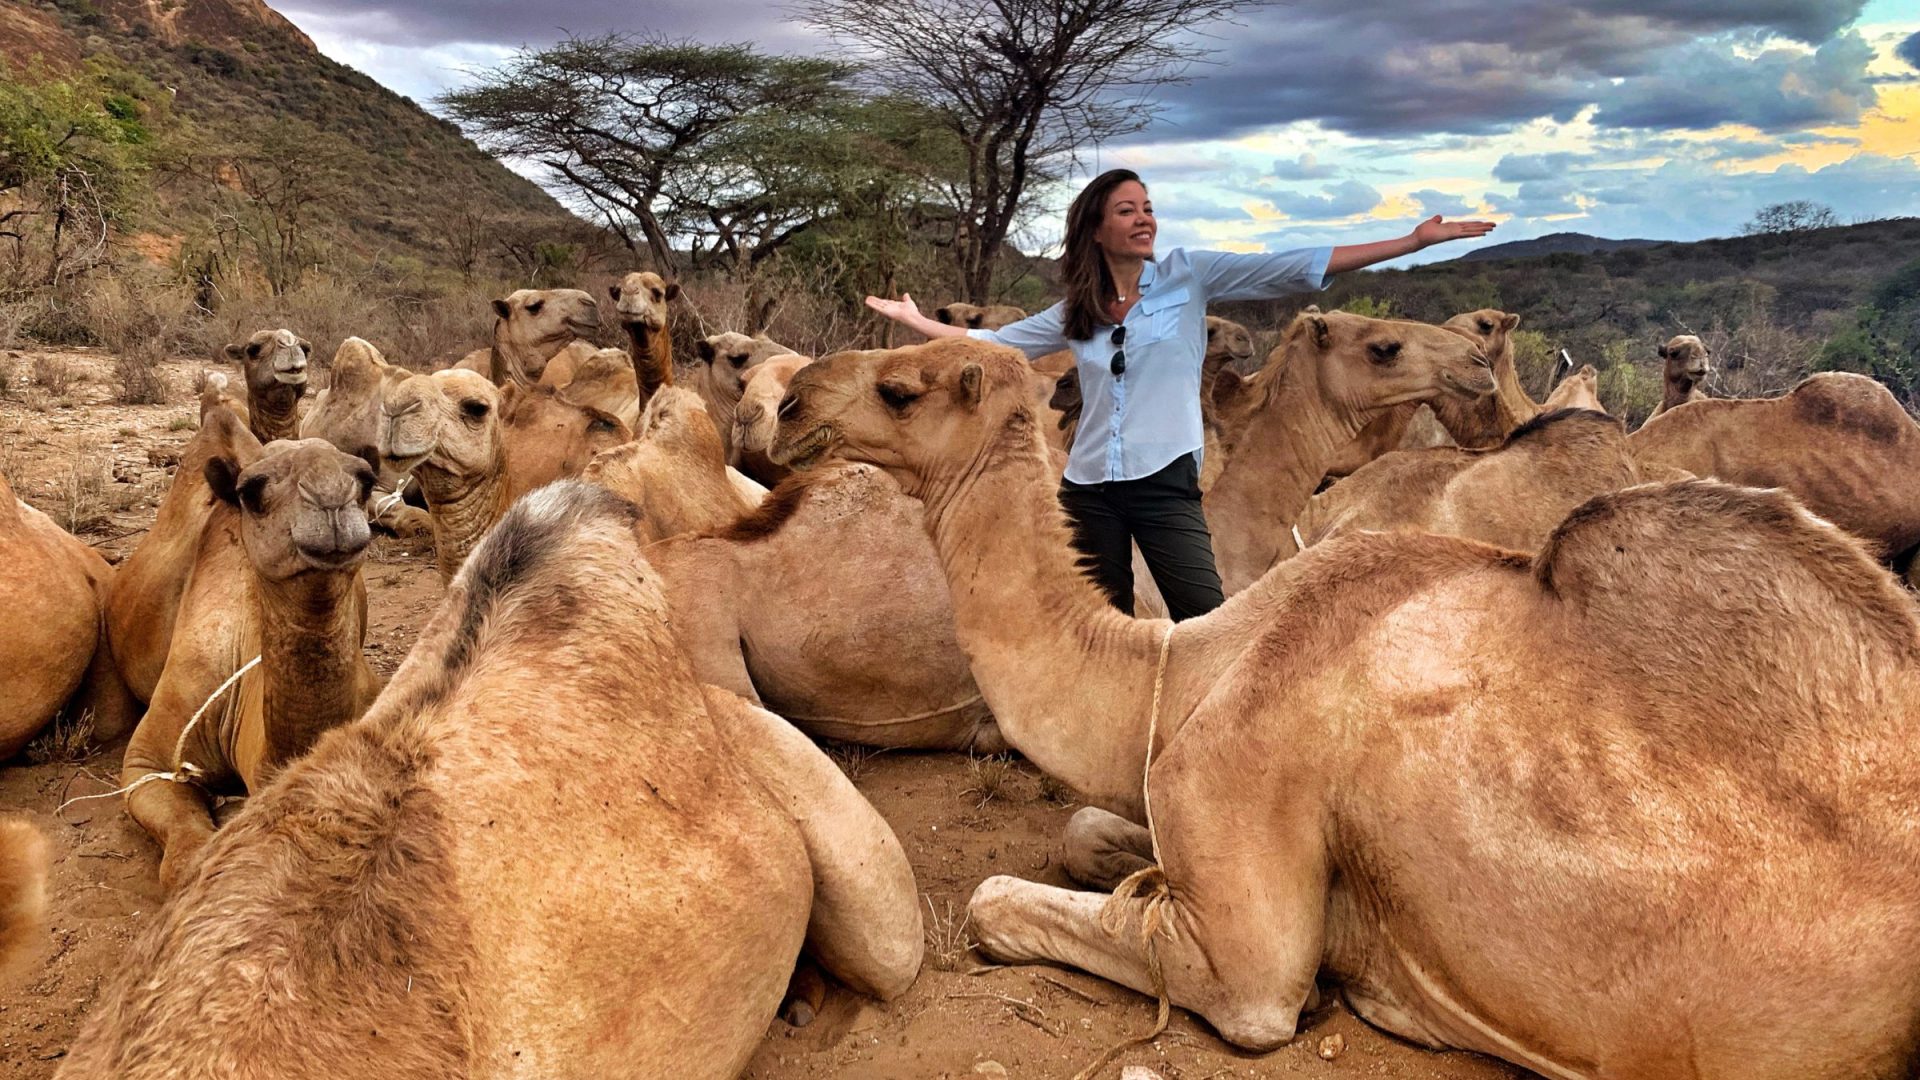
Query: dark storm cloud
point(1340, 200)
point(1419, 67)
point(1909, 50)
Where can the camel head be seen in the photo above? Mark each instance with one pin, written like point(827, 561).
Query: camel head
point(365, 412)
point(302, 503)
point(1686, 357)
point(270, 357)
point(552, 437)
point(1362, 365)
point(728, 357)
point(677, 417)
point(1228, 345)
point(918, 413)
point(1492, 329)
point(979, 318)
point(755, 419)
point(641, 299)
point(539, 322)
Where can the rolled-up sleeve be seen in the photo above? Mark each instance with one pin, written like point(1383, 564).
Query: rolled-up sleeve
point(1035, 335)
point(1226, 275)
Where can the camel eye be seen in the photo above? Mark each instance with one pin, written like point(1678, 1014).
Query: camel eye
point(1384, 351)
point(896, 397)
point(474, 409)
point(737, 359)
point(1486, 327)
point(658, 296)
point(534, 308)
point(600, 425)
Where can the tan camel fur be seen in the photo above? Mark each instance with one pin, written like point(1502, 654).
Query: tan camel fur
point(1512, 496)
point(1375, 766)
point(350, 414)
point(1579, 390)
point(754, 418)
point(974, 317)
point(547, 437)
point(275, 365)
point(1840, 443)
point(23, 896)
point(1685, 365)
point(276, 574)
point(531, 328)
point(720, 373)
point(640, 306)
point(544, 851)
point(672, 471)
point(55, 651)
point(606, 381)
point(1330, 376)
point(859, 649)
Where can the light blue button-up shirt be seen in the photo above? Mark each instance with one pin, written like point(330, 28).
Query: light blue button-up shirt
point(1135, 424)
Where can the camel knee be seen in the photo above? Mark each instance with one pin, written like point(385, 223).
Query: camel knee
point(1103, 848)
point(997, 912)
point(1258, 1026)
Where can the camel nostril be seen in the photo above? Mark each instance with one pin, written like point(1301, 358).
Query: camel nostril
point(788, 405)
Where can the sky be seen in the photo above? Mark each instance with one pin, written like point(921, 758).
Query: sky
point(1331, 121)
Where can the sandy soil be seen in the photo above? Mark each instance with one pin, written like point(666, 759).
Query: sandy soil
point(960, 821)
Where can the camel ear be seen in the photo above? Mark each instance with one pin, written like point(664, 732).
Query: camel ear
point(238, 450)
point(613, 292)
point(501, 308)
point(1510, 321)
point(1662, 352)
point(306, 346)
point(510, 395)
point(971, 378)
point(942, 314)
point(673, 290)
point(235, 352)
point(1322, 333)
point(704, 348)
point(1310, 309)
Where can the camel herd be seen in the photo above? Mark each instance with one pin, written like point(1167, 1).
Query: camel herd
point(1523, 733)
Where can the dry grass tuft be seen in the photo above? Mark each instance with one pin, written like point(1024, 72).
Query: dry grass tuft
point(855, 761)
point(1057, 792)
point(88, 495)
point(53, 373)
point(66, 741)
point(948, 941)
point(991, 777)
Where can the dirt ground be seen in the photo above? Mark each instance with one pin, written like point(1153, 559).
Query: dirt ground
point(102, 468)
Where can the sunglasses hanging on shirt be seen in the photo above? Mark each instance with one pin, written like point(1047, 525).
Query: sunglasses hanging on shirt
point(1119, 364)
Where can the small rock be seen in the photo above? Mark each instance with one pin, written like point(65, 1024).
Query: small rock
point(1332, 1046)
point(989, 1067)
point(1139, 1072)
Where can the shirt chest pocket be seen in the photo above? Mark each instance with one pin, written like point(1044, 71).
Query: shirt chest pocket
point(1160, 314)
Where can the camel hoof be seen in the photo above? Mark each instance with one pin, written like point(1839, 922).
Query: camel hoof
point(798, 1013)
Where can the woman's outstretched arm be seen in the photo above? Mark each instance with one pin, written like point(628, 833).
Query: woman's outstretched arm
point(907, 313)
point(1428, 233)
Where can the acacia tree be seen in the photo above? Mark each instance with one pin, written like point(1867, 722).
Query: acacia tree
point(1022, 84)
point(681, 143)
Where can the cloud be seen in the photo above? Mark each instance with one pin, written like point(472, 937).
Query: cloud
point(1909, 50)
point(514, 22)
point(1515, 168)
point(1345, 199)
point(1539, 198)
point(1706, 85)
point(1439, 202)
point(1304, 167)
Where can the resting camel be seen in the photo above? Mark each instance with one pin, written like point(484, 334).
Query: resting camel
point(859, 650)
point(754, 417)
point(640, 303)
point(1840, 443)
point(348, 414)
point(275, 574)
point(606, 381)
point(275, 365)
point(974, 317)
point(544, 851)
point(531, 328)
point(1375, 766)
point(1331, 375)
point(55, 650)
point(1512, 496)
point(1579, 390)
point(673, 471)
point(23, 895)
point(1685, 365)
point(724, 360)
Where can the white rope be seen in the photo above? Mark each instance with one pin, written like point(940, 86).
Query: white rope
point(1298, 544)
point(1153, 728)
point(183, 772)
point(976, 699)
point(387, 502)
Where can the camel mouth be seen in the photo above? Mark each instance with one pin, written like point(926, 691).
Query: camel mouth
point(339, 554)
point(805, 451)
point(1476, 388)
point(291, 377)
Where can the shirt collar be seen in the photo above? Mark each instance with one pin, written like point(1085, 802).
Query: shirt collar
point(1146, 275)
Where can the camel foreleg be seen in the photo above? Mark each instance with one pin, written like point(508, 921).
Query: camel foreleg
point(1103, 848)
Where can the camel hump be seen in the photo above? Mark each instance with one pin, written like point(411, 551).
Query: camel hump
point(1687, 562)
point(1562, 422)
point(1850, 404)
point(835, 491)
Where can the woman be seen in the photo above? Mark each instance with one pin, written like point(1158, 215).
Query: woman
point(1137, 329)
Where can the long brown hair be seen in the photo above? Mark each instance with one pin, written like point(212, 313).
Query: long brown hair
point(1083, 269)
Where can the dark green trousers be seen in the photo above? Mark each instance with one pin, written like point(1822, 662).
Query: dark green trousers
point(1161, 513)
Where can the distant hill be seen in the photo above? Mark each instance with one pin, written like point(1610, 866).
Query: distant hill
point(234, 67)
point(1553, 244)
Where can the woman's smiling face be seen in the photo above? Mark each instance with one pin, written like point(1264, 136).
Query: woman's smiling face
point(1127, 227)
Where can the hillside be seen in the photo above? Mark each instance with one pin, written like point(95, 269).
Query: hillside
point(1552, 244)
point(239, 74)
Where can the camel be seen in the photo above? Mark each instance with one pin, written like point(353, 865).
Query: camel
point(859, 650)
point(1579, 390)
point(1331, 375)
point(1512, 496)
point(673, 471)
point(724, 360)
point(348, 414)
point(1840, 443)
point(754, 418)
point(275, 365)
point(974, 317)
point(1375, 767)
point(544, 851)
point(606, 381)
point(55, 652)
point(532, 328)
point(276, 574)
point(23, 895)
point(1685, 365)
point(640, 306)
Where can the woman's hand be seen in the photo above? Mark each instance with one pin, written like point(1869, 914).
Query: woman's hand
point(1435, 231)
point(903, 310)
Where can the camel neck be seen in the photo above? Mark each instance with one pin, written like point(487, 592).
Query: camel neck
point(1679, 391)
point(1283, 451)
point(1069, 678)
point(274, 413)
point(312, 669)
point(517, 361)
point(463, 508)
point(652, 354)
point(1483, 422)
